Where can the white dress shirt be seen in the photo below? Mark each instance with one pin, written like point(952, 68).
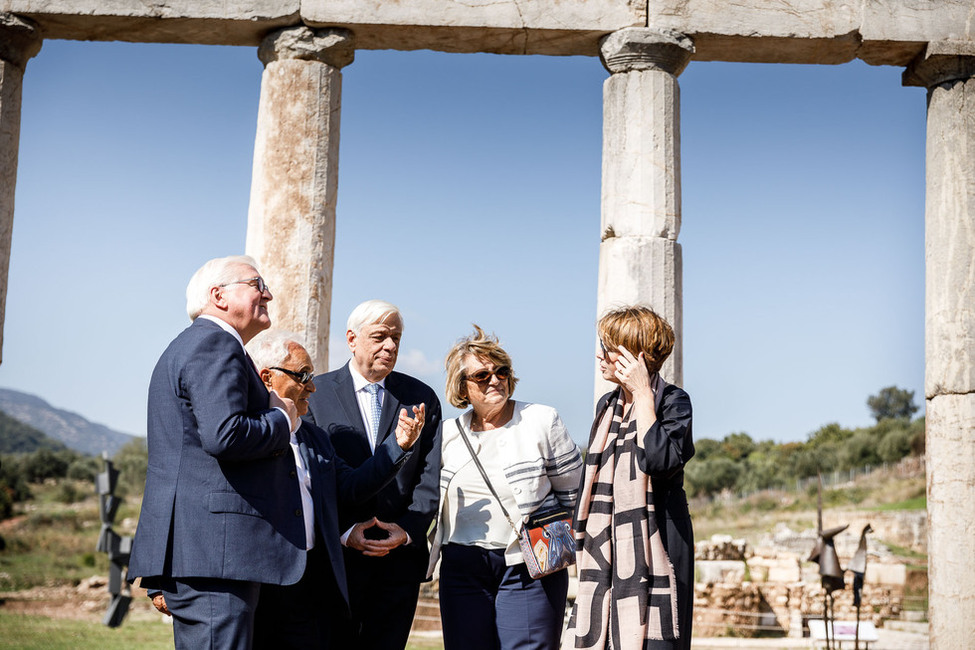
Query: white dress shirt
point(364, 400)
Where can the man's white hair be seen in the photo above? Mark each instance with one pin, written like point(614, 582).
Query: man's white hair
point(271, 347)
point(221, 270)
point(372, 311)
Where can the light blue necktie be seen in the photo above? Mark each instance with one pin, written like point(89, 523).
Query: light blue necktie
point(377, 409)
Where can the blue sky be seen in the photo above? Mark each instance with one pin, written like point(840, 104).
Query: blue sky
point(469, 192)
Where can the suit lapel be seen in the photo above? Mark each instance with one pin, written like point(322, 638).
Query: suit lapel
point(390, 411)
point(345, 394)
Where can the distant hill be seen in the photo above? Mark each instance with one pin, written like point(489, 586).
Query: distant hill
point(19, 438)
point(69, 428)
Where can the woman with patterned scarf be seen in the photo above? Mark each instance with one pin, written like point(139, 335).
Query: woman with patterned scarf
point(633, 529)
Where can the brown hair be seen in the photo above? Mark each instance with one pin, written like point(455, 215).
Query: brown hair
point(480, 345)
point(638, 329)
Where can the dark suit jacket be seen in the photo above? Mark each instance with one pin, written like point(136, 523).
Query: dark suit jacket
point(413, 498)
point(334, 483)
point(221, 500)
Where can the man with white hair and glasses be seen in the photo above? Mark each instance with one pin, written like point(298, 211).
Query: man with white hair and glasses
point(308, 614)
point(222, 511)
point(358, 406)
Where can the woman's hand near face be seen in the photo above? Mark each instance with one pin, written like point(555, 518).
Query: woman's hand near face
point(632, 373)
point(635, 379)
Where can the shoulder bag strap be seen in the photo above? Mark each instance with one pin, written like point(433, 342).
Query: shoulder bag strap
point(480, 468)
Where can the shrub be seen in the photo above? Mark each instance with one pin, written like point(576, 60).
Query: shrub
point(84, 468)
point(895, 445)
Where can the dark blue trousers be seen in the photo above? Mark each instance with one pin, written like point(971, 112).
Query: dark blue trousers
point(212, 613)
point(485, 605)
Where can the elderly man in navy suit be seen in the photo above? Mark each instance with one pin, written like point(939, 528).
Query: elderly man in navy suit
point(306, 615)
point(222, 511)
point(386, 548)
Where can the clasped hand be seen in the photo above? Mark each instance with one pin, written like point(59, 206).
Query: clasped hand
point(376, 547)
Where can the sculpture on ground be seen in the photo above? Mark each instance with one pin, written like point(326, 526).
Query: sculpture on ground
point(830, 571)
point(117, 547)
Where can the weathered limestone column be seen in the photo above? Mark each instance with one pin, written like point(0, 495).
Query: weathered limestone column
point(947, 70)
point(19, 41)
point(639, 257)
point(291, 220)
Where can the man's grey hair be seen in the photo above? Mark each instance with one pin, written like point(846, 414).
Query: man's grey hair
point(212, 274)
point(372, 311)
point(270, 347)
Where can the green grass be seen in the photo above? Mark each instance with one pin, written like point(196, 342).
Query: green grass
point(42, 633)
point(906, 553)
point(917, 503)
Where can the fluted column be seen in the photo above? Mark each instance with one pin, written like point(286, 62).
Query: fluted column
point(19, 41)
point(291, 221)
point(639, 257)
point(947, 70)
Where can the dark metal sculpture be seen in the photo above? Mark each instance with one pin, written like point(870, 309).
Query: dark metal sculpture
point(117, 547)
point(830, 571)
point(858, 565)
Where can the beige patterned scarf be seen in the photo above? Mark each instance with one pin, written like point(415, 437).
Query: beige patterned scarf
point(627, 590)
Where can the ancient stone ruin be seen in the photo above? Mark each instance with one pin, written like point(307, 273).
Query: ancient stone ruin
point(306, 44)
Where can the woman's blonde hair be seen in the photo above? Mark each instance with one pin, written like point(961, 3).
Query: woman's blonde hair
point(479, 345)
point(638, 329)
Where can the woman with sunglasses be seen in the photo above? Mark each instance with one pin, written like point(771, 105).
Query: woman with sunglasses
point(487, 598)
point(636, 544)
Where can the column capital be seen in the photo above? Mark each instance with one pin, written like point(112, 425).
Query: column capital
point(941, 62)
point(332, 46)
point(643, 48)
point(20, 39)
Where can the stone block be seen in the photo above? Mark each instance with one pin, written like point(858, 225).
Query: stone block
point(645, 270)
point(784, 572)
point(886, 574)
point(949, 241)
point(798, 31)
point(894, 31)
point(291, 220)
point(641, 155)
point(560, 27)
point(720, 572)
point(950, 420)
point(219, 22)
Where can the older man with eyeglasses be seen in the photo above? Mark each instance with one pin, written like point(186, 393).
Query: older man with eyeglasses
point(308, 614)
point(222, 511)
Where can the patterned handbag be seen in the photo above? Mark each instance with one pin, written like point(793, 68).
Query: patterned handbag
point(547, 543)
point(546, 539)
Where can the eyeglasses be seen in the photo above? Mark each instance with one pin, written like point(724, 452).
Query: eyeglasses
point(258, 283)
point(484, 376)
point(300, 377)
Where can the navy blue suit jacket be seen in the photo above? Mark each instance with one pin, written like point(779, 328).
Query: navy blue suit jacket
point(221, 499)
point(413, 498)
point(334, 482)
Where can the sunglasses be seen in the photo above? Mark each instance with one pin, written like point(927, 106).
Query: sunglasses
point(300, 377)
point(484, 376)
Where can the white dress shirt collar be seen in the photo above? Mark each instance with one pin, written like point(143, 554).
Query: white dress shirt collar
point(225, 326)
point(359, 382)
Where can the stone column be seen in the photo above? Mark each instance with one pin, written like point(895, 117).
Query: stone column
point(291, 220)
point(639, 257)
point(947, 70)
point(19, 41)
